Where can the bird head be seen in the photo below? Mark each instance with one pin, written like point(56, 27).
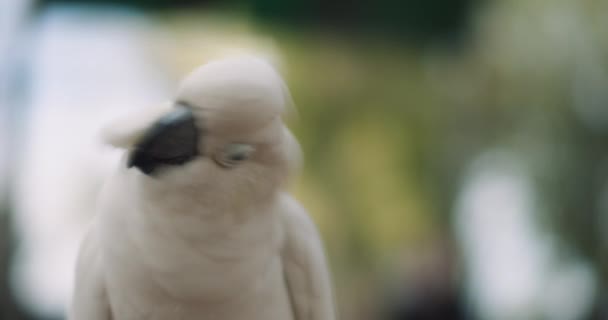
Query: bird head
point(223, 133)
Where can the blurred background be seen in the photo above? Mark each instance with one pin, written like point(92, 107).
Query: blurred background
point(455, 150)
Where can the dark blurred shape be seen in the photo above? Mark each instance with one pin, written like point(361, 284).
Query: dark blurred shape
point(423, 302)
point(9, 309)
point(429, 290)
point(143, 4)
point(418, 21)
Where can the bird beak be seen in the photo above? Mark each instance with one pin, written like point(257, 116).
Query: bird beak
point(172, 140)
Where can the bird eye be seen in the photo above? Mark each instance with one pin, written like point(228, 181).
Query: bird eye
point(233, 154)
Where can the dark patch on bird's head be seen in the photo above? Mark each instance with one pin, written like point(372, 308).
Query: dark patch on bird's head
point(173, 140)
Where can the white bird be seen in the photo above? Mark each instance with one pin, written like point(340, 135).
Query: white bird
point(195, 222)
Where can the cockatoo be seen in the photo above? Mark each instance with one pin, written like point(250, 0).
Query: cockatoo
point(195, 222)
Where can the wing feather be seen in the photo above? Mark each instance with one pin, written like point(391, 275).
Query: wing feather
point(305, 266)
point(89, 301)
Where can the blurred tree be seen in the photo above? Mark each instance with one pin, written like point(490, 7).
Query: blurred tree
point(420, 21)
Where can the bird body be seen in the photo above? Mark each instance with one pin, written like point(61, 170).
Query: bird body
point(198, 226)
